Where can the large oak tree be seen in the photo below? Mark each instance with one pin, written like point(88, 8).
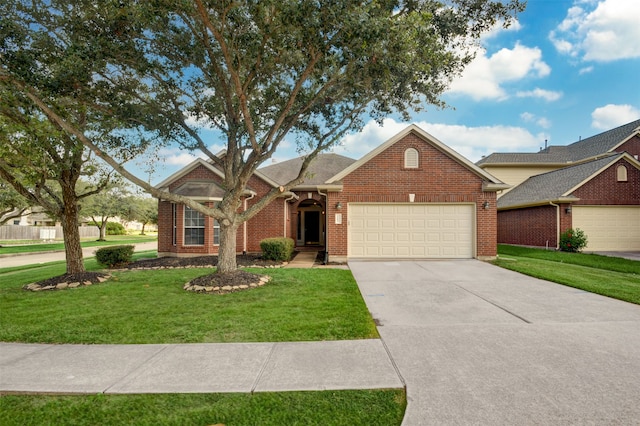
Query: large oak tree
point(257, 71)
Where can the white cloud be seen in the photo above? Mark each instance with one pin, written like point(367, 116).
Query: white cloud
point(610, 116)
point(543, 122)
point(484, 76)
point(606, 30)
point(547, 95)
point(471, 142)
point(585, 70)
point(175, 156)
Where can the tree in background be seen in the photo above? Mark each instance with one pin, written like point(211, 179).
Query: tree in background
point(256, 71)
point(12, 204)
point(140, 209)
point(105, 205)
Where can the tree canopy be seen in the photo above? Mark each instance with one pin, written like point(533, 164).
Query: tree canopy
point(151, 73)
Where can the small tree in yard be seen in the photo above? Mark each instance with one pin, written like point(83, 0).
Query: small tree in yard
point(256, 71)
point(44, 165)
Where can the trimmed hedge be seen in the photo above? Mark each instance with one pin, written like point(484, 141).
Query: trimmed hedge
point(114, 256)
point(279, 249)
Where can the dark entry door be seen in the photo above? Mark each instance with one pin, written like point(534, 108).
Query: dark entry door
point(312, 227)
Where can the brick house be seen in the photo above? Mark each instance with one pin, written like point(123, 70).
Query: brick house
point(592, 184)
point(411, 197)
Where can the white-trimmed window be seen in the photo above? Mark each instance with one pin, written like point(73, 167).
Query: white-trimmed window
point(216, 232)
point(621, 173)
point(193, 227)
point(411, 158)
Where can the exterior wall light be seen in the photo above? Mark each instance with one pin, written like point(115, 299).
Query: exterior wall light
point(568, 210)
point(486, 205)
point(339, 205)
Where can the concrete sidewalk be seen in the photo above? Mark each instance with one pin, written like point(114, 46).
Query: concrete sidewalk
point(191, 368)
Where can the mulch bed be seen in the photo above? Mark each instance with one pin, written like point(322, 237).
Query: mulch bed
point(211, 283)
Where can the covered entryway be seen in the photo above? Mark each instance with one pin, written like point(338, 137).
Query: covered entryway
point(311, 223)
point(609, 228)
point(410, 230)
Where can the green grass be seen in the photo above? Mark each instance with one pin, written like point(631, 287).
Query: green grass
point(370, 407)
point(151, 307)
point(59, 246)
point(609, 276)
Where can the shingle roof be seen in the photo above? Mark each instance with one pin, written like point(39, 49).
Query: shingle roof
point(581, 150)
point(553, 185)
point(323, 167)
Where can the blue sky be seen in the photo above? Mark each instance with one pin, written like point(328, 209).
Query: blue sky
point(566, 69)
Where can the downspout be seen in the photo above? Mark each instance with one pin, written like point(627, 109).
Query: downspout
point(557, 224)
point(244, 225)
point(326, 222)
point(286, 213)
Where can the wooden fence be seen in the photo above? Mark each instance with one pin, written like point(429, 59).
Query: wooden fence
point(16, 232)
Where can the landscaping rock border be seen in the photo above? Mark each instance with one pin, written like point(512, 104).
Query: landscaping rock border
point(68, 282)
point(260, 281)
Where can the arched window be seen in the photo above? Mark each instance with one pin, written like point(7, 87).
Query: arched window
point(621, 173)
point(411, 158)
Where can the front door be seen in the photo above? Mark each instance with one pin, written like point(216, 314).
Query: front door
point(311, 227)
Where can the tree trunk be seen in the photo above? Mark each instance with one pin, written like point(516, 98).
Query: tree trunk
point(227, 252)
point(103, 231)
point(142, 230)
point(71, 233)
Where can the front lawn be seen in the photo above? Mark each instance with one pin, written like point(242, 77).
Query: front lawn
point(363, 407)
point(150, 306)
point(609, 276)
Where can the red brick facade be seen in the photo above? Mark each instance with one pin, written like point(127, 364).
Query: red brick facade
point(438, 179)
point(632, 146)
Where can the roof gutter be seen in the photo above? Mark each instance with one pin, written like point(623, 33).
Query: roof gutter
point(539, 203)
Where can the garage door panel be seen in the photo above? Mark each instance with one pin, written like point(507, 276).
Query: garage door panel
point(411, 230)
point(609, 228)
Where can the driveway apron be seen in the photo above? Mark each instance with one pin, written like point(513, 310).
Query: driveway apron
point(477, 344)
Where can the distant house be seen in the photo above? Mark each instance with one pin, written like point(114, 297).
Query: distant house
point(411, 197)
point(592, 184)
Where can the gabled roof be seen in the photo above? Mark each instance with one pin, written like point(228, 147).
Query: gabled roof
point(492, 182)
point(559, 185)
point(581, 150)
point(321, 168)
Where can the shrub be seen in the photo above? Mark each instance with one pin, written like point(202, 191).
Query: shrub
point(114, 256)
point(277, 248)
point(114, 228)
point(573, 240)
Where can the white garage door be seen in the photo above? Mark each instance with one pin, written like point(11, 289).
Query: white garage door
point(609, 228)
point(411, 230)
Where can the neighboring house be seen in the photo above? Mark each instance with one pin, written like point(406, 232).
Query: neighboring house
point(515, 168)
point(592, 184)
point(412, 197)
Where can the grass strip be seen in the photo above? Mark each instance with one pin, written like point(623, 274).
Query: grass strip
point(111, 241)
point(591, 260)
point(619, 285)
point(363, 407)
point(150, 306)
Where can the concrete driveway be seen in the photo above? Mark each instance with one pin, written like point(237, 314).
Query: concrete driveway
point(477, 344)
